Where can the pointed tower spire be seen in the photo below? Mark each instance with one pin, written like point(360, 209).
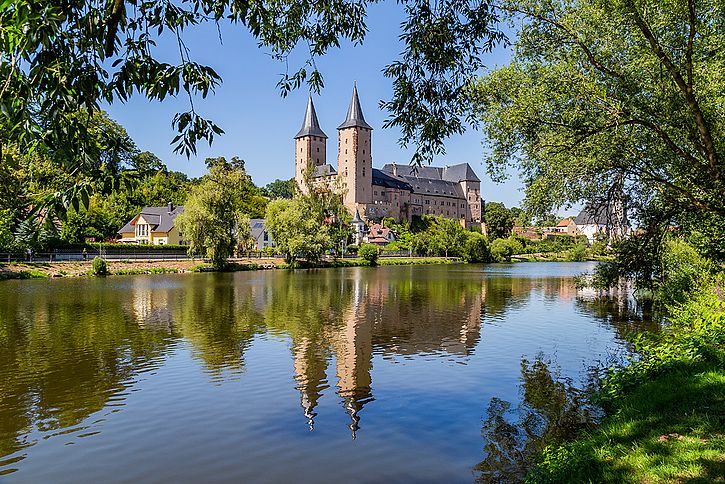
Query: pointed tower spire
point(355, 116)
point(310, 126)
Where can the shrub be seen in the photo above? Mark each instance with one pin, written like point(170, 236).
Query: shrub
point(99, 267)
point(475, 248)
point(577, 253)
point(369, 252)
point(352, 249)
point(501, 250)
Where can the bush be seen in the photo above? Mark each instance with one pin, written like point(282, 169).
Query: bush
point(369, 252)
point(352, 249)
point(577, 253)
point(501, 250)
point(475, 248)
point(99, 267)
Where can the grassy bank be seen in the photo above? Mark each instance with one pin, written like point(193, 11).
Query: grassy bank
point(118, 268)
point(665, 412)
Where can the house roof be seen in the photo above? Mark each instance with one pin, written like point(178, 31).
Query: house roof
point(159, 218)
point(355, 118)
point(564, 223)
point(310, 125)
point(605, 214)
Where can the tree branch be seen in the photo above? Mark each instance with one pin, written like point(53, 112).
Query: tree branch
point(707, 143)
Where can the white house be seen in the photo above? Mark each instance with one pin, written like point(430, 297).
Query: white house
point(262, 238)
point(607, 222)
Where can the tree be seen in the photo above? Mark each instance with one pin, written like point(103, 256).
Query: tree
point(296, 230)
point(281, 189)
point(370, 253)
point(612, 101)
point(476, 248)
point(59, 59)
point(448, 234)
point(499, 220)
point(213, 218)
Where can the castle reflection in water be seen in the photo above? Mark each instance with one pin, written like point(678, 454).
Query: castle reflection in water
point(337, 320)
point(74, 347)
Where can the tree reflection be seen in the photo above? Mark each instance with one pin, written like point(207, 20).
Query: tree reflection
point(552, 410)
point(58, 365)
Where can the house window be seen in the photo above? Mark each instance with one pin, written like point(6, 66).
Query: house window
point(142, 230)
point(266, 237)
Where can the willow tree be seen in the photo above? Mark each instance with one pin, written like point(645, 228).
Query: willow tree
point(612, 98)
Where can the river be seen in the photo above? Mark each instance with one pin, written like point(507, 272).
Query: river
point(389, 374)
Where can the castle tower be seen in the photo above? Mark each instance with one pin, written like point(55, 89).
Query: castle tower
point(354, 159)
point(310, 145)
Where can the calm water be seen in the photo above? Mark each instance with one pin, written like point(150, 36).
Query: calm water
point(360, 374)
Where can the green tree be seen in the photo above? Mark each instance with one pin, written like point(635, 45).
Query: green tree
point(499, 220)
point(611, 100)
point(213, 218)
point(281, 189)
point(67, 57)
point(476, 248)
point(370, 253)
point(297, 232)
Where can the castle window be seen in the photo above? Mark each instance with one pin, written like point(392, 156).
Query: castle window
point(318, 149)
point(363, 171)
point(345, 151)
point(363, 152)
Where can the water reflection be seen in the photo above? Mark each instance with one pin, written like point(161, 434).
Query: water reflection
point(552, 410)
point(72, 349)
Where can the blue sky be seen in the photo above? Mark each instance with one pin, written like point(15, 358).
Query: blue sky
point(259, 123)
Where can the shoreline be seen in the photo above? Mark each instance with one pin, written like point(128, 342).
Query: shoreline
point(48, 270)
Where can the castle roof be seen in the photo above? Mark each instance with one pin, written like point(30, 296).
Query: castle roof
point(355, 118)
point(454, 173)
point(432, 186)
point(383, 179)
point(357, 219)
point(324, 170)
point(310, 125)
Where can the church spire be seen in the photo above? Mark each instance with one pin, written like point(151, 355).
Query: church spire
point(310, 126)
point(355, 118)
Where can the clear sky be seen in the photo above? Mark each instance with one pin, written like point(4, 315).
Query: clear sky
point(259, 123)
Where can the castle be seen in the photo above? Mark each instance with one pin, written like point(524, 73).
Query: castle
point(397, 191)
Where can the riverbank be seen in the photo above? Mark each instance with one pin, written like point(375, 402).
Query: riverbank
point(40, 270)
point(665, 412)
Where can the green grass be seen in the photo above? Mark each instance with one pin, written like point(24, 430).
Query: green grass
point(23, 275)
point(665, 412)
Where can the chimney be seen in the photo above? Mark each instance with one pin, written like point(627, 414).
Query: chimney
point(171, 207)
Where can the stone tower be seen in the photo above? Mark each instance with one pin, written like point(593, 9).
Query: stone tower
point(310, 145)
point(354, 160)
